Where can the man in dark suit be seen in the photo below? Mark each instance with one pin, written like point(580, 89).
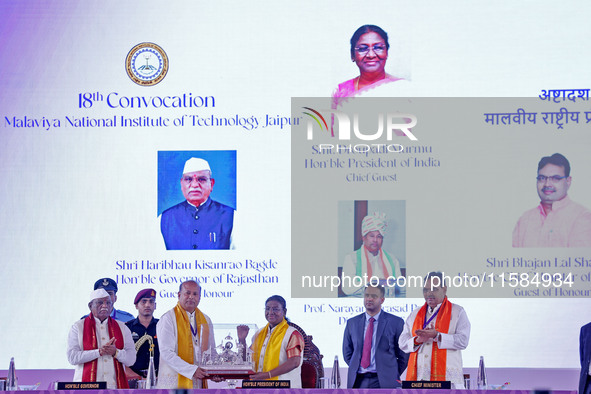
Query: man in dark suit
point(585, 352)
point(370, 345)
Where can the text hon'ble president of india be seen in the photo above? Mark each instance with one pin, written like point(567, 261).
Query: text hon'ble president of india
point(371, 259)
point(198, 222)
point(557, 221)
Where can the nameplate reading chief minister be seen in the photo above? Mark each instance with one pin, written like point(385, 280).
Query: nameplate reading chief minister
point(99, 346)
point(198, 222)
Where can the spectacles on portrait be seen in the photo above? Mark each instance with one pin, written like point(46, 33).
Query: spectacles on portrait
point(274, 309)
point(378, 49)
point(189, 179)
point(553, 178)
point(101, 302)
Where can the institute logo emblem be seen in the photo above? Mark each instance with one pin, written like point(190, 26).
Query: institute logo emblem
point(146, 64)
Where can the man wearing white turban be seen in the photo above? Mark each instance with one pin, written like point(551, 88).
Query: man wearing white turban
point(370, 260)
point(99, 346)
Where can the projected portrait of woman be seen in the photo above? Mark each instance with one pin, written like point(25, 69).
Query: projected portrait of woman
point(369, 51)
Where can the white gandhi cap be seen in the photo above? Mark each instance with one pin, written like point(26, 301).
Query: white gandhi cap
point(98, 293)
point(195, 164)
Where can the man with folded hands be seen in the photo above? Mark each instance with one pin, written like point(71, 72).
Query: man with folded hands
point(100, 346)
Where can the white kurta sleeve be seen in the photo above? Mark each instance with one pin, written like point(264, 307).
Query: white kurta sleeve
point(459, 339)
point(75, 353)
point(406, 341)
point(127, 355)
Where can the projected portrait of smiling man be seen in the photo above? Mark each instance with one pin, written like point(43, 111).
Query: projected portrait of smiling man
point(370, 259)
point(557, 221)
point(199, 222)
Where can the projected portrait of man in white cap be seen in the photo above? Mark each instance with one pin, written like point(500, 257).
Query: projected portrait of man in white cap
point(198, 222)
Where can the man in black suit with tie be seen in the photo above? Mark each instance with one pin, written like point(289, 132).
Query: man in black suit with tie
point(370, 345)
point(585, 353)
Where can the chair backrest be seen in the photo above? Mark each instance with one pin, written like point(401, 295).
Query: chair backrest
point(312, 369)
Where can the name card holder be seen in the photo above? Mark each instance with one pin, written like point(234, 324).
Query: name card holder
point(266, 384)
point(426, 384)
point(81, 386)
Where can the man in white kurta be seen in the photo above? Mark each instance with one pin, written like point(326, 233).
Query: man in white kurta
point(370, 260)
point(100, 306)
point(171, 364)
point(423, 340)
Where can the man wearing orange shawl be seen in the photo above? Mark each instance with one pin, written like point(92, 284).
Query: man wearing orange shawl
point(435, 335)
point(100, 346)
point(183, 333)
